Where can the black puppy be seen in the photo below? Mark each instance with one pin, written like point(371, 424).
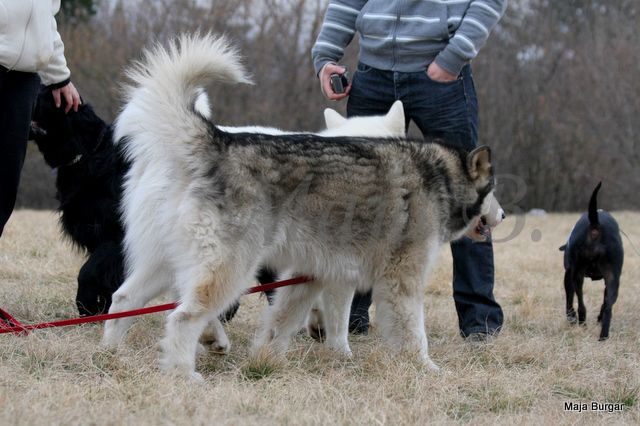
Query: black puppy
point(88, 182)
point(90, 171)
point(594, 250)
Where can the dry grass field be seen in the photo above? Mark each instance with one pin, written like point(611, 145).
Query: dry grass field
point(525, 376)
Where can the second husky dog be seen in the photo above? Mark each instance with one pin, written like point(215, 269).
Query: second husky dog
point(390, 125)
point(203, 208)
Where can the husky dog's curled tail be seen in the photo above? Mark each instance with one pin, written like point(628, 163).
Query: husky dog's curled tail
point(166, 90)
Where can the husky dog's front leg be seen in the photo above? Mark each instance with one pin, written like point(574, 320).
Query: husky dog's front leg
point(336, 304)
point(399, 299)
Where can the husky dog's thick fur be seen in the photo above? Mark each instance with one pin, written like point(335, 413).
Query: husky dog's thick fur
point(203, 208)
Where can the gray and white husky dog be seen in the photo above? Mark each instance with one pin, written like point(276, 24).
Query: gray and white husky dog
point(203, 208)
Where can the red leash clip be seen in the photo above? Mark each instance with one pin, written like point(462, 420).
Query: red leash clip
point(7, 322)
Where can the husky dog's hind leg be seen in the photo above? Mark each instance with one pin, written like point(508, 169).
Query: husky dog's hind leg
point(283, 319)
point(147, 282)
point(206, 290)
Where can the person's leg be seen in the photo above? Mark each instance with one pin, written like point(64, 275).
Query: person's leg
point(372, 93)
point(450, 111)
point(18, 93)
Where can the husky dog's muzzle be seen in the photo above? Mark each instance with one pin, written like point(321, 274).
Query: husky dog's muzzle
point(494, 216)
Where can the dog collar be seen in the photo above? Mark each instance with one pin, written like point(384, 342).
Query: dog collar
point(74, 161)
point(79, 157)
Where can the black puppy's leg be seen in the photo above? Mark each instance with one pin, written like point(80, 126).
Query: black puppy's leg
point(87, 299)
point(612, 282)
point(99, 277)
point(604, 305)
point(578, 280)
point(267, 276)
point(569, 291)
point(228, 315)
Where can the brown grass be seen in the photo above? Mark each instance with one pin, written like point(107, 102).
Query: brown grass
point(525, 376)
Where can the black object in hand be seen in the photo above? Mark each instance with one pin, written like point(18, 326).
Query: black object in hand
point(339, 82)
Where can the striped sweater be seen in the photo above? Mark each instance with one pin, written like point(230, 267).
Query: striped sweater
point(407, 35)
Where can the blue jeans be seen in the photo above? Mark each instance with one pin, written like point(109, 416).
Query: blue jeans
point(448, 111)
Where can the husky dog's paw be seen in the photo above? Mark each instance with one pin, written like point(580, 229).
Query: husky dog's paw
point(111, 339)
point(221, 348)
point(218, 344)
point(315, 325)
point(171, 367)
point(196, 377)
point(174, 360)
point(316, 332)
point(200, 349)
point(343, 352)
point(341, 349)
point(431, 366)
point(215, 337)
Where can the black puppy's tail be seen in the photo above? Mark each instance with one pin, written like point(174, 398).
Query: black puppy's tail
point(593, 207)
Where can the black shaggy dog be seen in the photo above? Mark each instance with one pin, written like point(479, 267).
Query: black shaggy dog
point(594, 250)
point(88, 182)
point(90, 171)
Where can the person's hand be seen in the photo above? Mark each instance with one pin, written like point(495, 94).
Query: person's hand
point(325, 82)
point(71, 97)
point(439, 74)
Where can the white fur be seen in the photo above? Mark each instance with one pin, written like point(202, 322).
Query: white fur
point(390, 125)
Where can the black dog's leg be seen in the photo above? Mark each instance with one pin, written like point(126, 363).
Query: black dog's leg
point(604, 305)
point(87, 297)
point(99, 277)
point(228, 315)
point(612, 282)
point(578, 281)
point(267, 276)
point(569, 290)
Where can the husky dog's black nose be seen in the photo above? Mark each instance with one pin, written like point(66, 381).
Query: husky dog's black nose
point(503, 216)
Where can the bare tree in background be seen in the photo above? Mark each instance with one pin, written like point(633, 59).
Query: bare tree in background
point(558, 104)
point(557, 82)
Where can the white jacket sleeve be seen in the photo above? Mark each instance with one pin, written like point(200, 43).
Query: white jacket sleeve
point(55, 72)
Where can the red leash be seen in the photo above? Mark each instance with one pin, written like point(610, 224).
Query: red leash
point(9, 324)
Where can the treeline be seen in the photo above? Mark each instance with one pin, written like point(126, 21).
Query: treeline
point(557, 83)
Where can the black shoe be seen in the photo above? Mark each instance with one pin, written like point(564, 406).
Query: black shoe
point(480, 338)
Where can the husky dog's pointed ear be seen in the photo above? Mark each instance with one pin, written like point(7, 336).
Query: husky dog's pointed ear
point(395, 119)
point(333, 119)
point(479, 164)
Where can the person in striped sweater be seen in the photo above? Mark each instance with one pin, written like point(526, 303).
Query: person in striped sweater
point(419, 52)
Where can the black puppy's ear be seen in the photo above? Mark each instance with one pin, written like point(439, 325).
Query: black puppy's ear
point(35, 132)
